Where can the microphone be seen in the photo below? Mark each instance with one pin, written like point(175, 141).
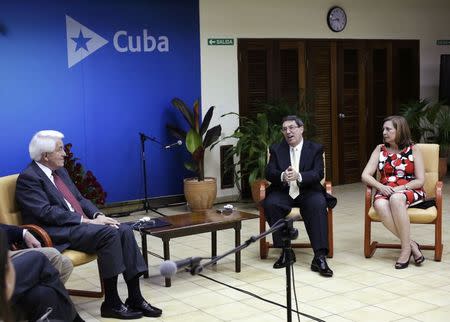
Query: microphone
point(179, 142)
point(169, 268)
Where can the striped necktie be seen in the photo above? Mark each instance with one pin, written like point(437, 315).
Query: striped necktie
point(294, 191)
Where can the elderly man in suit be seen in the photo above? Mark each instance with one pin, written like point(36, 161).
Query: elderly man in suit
point(48, 197)
point(16, 235)
point(295, 170)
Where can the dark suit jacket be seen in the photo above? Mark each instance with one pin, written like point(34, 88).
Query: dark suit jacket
point(14, 233)
point(311, 168)
point(41, 203)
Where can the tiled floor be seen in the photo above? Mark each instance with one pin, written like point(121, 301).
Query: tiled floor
point(361, 289)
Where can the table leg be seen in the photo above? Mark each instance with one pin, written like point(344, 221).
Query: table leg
point(167, 257)
point(237, 242)
point(144, 251)
point(214, 244)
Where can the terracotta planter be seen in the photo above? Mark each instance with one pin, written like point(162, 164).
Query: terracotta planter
point(255, 189)
point(442, 167)
point(200, 195)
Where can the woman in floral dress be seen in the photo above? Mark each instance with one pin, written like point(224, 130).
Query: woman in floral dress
point(401, 180)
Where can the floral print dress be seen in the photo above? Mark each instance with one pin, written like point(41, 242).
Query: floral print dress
point(397, 169)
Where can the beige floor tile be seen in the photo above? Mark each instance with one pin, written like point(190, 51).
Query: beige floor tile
point(371, 295)
point(232, 311)
point(370, 314)
point(406, 306)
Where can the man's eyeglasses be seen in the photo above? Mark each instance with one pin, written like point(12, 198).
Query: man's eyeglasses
point(289, 128)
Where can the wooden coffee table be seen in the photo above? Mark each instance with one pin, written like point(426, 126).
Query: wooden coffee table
point(196, 223)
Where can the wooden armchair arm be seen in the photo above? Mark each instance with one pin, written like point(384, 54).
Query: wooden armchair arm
point(262, 190)
point(41, 234)
point(328, 187)
point(439, 186)
point(368, 199)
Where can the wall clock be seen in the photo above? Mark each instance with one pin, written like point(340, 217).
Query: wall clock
point(336, 19)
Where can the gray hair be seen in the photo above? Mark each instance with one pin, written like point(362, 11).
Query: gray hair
point(43, 142)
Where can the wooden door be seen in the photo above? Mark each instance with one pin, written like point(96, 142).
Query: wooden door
point(351, 108)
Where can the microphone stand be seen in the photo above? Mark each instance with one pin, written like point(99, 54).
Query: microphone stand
point(144, 168)
point(288, 233)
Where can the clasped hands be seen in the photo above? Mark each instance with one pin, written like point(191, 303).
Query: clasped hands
point(290, 174)
point(388, 190)
point(103, 220)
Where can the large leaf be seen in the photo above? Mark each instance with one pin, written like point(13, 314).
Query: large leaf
point(212, 136)
point(185, 111)
point(191, 166)
point(196, 116)
point(206, 120)
point(176, 131)
point(193, 141)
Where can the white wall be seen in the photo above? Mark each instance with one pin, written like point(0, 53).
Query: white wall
point(367, 19)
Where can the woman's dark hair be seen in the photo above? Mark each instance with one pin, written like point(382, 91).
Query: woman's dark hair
point(403, 135)
point(5, 309)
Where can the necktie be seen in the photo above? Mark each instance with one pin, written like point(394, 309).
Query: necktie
point(294, 191)
point(68, 195)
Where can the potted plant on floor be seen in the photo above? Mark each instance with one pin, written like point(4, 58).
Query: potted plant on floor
point(429, 122)
point(253, 138)
point(438, 116)
point(200, 192)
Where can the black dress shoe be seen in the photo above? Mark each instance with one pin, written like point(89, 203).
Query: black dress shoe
point(146, 308)
point(120, 312)
point(282, 261)
point(319, 264)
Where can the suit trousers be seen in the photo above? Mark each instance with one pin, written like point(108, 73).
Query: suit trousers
point(278, 204)
point(38, 288)
point(116, 248)
point(62, 263)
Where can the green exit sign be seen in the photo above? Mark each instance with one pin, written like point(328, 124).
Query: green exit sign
point(443, 42)
point(220, 41)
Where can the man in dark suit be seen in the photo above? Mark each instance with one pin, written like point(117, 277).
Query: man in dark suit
point(48, 197)
point(295, 170)
point(18, 235)
point(37, 290)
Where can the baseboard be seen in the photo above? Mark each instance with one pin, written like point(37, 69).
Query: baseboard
point(138, 204)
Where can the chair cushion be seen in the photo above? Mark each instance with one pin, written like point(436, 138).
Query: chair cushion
point(9, 212)
point(79, 258)
point(416, 215)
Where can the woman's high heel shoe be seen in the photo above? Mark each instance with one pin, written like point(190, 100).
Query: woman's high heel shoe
point(421, 259)
point(399, 265)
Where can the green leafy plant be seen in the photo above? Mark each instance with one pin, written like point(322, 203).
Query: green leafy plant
point(85, 181)
point(198, 138)
point(255, 135)
point(414, 112)
point(429, 122)
point(438, 116)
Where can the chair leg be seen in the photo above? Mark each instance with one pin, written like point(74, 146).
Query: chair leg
point(93, 294)
point(438, 247)
point(369, 248)
point(330, 234)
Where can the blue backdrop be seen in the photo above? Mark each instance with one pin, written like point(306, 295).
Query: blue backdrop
point(53, 76)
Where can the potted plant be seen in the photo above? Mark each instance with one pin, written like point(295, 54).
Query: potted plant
point(429, 122)
point(253, 138)
point(438, 116)
point(200, 192)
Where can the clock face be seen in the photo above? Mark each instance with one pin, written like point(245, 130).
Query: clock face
point(337, 19)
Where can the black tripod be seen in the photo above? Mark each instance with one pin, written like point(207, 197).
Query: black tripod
point(144, 168)
point(288, 233)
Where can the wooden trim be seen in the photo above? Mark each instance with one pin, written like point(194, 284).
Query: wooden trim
point(334, 112)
